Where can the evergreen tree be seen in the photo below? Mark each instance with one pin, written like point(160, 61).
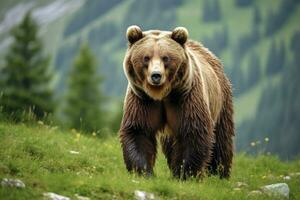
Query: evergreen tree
point(295, 42)
point(117, 118)
point(238, 81)
point(281, 56)
point(276, 58)
point(271, 60)
point(243, 3)
point(254, 73)
point(84, 101)
point(26, 76)
point(256, 16)
point(211, 11)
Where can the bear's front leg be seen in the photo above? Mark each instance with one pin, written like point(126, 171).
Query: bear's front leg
point(139, 125)
point(193, 144)
point(139, 151)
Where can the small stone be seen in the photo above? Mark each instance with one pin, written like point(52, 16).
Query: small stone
point(286, 178)
point(12, 183)
point(271, 177)
point(74, 152)
point(241, 184)
point(278, 189)
point(237, 189)
point(142, 195)
point(295, 174)
point(53, 196)
point(254, 193)
point(134, 181)
point(78, 197)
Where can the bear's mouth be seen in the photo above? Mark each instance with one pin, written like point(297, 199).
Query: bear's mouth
point(156, 87)
point(157, 92)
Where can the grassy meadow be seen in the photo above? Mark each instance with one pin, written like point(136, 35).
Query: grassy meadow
point(66, 162)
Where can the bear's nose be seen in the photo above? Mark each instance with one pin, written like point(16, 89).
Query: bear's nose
point(156, 77)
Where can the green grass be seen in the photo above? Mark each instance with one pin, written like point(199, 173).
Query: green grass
point(40, 156)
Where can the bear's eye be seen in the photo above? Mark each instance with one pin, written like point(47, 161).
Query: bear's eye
point(165, 59)
point(146, 59)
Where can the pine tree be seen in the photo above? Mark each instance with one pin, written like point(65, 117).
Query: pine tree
point(117, 117)
point(256, 16)
point(271, 60)
point(243, 3)
point(84, 101)
point(276, 58)
point(254, 73)
point(281, 55)
point(25, 77)
point(211, 11)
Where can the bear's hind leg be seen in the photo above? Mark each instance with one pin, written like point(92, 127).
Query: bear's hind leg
point(223, 148)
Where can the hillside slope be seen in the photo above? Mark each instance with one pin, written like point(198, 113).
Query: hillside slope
point(43, 158)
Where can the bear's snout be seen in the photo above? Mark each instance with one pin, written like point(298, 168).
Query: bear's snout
point(156, 77)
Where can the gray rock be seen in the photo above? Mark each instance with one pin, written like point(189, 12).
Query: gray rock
point(53, 196)
point(241, 184)
point(278, 189)
point(142, 195)
point(6, 182)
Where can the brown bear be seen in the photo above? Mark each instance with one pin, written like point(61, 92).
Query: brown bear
point(176, 87)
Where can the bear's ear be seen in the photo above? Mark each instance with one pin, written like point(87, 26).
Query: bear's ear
point(180, 35)
point(134, 33)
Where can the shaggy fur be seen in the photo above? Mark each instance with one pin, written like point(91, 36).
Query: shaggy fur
point(192, 108)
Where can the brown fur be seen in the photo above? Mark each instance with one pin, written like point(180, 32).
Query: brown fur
point(192, 108)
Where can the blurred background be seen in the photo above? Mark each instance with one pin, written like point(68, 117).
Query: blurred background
point(62, 62)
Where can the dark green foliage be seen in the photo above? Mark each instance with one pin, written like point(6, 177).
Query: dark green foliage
point(244, 44)
point(276, 58)
point(275, 20)
point(90, 11)
point(247, 41)
point(169, 3)
point(211, 11)
point(64, 58)
point(218, 42)
point(295, 43)
point(103, 33)
point(254, 73)
point(238, 80)
point(117, 118)
point(256, 16)
point(278, 115)
point(84, 100)
point(26, 76)
point(243, 3)
point(154, 14)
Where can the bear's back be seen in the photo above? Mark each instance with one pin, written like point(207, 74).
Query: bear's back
point(211, 71)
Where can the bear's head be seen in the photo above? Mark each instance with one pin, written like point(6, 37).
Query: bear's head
point(153, 60)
